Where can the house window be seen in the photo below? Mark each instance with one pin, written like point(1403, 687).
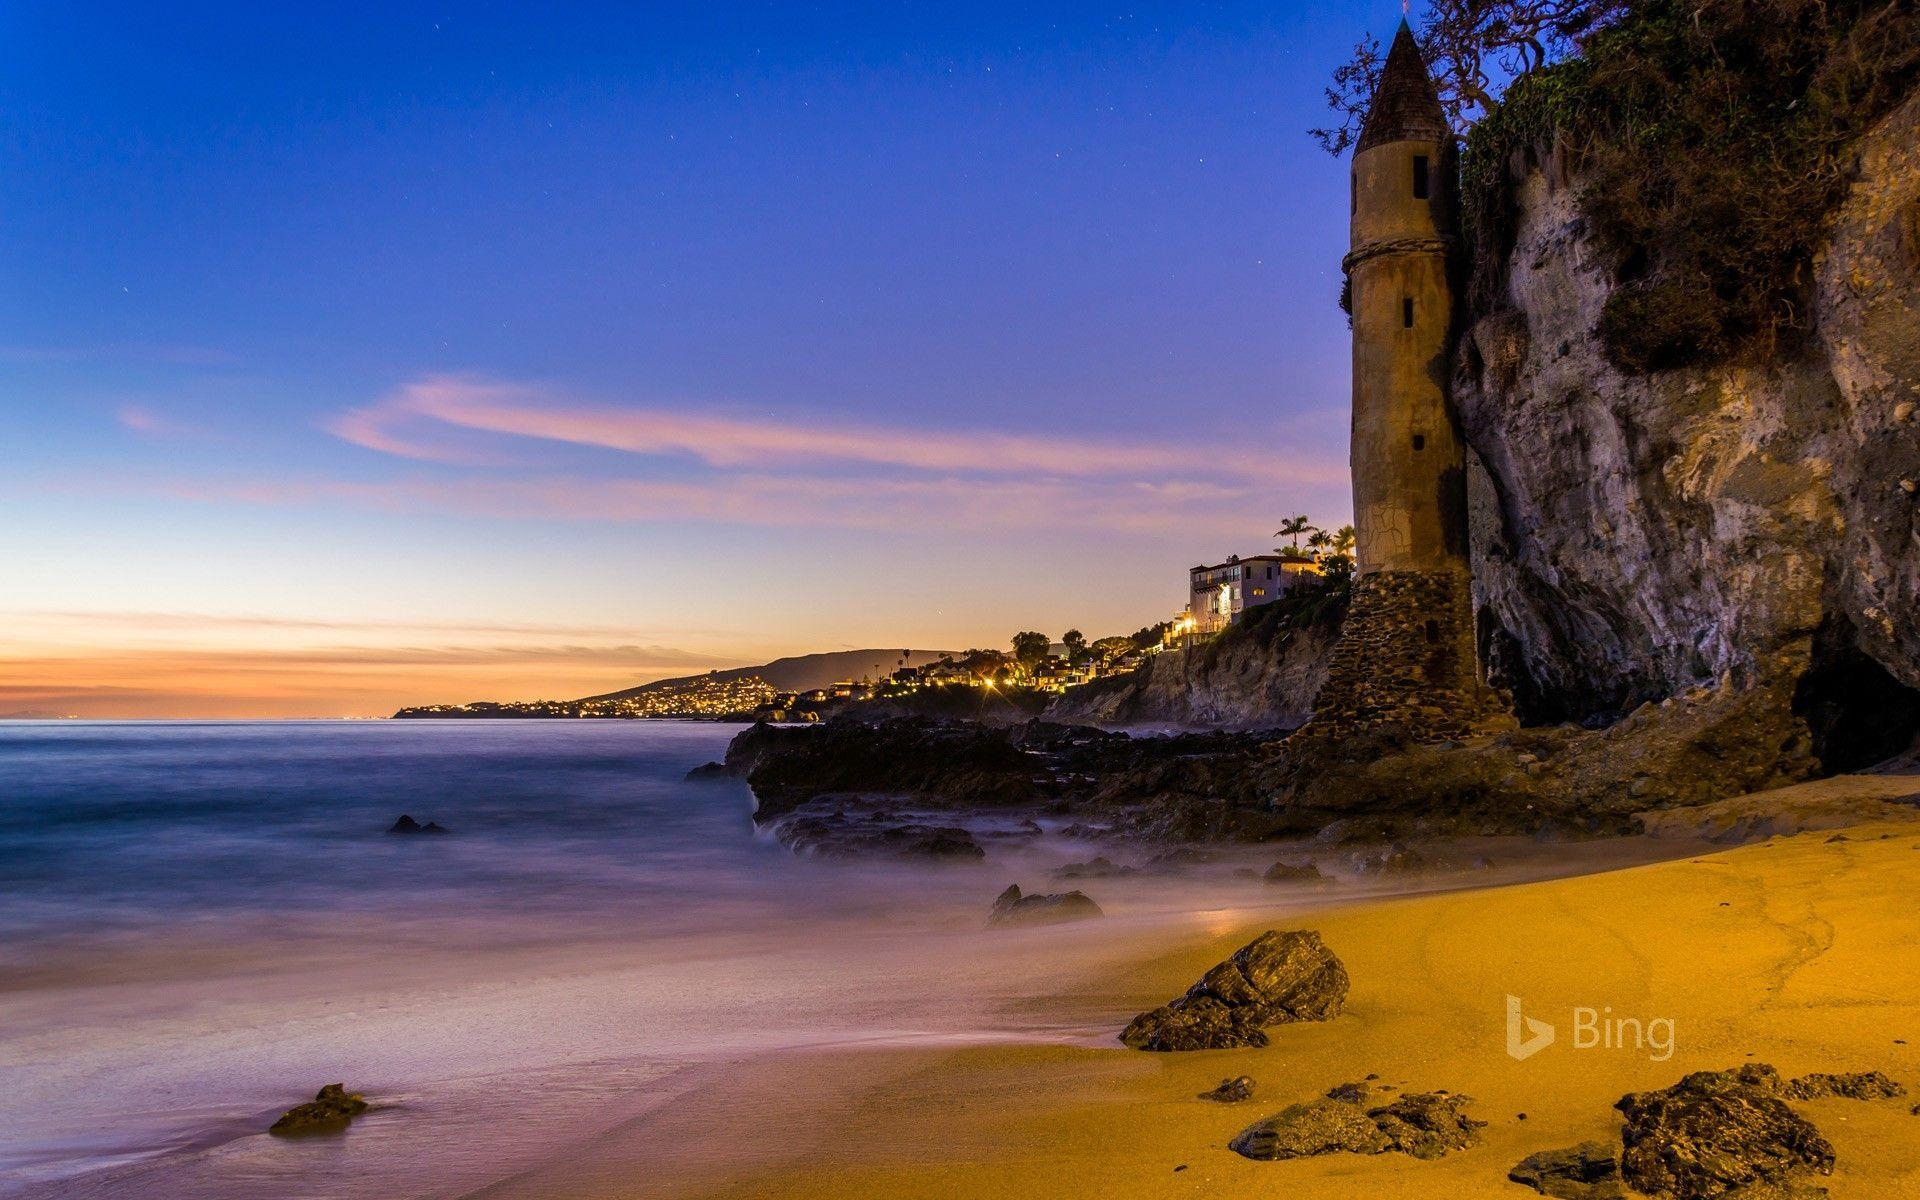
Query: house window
point(1406, 312)
point(1421, 177)
point(1419, 441)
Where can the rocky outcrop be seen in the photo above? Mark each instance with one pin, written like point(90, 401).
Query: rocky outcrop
point(1182, 787)
point(1589, 1171)
point(1716, 1132)
point(328, 1112)
point(1636, 536)
point(1839, 803)
point(407, 825)
point(1285, 872)
point(853, 829)
point(1276, 979)
point(1011, 907)
point(1097, 867)
point(1237, 1090)
point(904, 757)
point(1304, 1130)
point(1427, 1124)
point(1263, 676)
point(1688, 750)
point(1424, 1125)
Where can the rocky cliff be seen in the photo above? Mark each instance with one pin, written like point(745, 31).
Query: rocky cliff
point(1637, 535)
point(1263, 674)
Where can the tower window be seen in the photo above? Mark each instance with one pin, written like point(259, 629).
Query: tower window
point(1419, 441)
point(1406, 311)
point(1422, 179)
point(1433, 631)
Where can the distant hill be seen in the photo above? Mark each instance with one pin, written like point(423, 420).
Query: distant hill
point(802, 672)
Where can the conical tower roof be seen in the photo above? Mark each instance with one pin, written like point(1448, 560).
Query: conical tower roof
point(1405, 106)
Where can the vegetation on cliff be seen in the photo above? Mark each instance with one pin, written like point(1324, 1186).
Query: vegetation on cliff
point(1711, 142)
point(1711, 139)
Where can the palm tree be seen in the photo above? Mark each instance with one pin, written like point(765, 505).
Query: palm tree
point(1320, 540)
point(1343, 540)
point(1293, 527)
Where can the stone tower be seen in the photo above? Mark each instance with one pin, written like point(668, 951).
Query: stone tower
point(1406, 654)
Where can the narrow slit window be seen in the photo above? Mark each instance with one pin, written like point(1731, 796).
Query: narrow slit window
point(1406, 312)
point(1422, 179)
point(1419, 441)
point(1433, 631)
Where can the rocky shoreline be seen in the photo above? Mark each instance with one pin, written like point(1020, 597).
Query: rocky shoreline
point(923, 787)
point(907, 785)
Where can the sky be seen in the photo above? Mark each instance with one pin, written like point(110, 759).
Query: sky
point(360, 356)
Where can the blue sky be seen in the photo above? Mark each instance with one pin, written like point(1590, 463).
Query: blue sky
point(522, 350)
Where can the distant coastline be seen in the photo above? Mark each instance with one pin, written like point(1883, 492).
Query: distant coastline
point(731, 694)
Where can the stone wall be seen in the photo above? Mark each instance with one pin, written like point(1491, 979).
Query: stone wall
point(1406, 660)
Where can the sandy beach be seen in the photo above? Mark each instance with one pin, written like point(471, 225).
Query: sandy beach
point(1802, 951)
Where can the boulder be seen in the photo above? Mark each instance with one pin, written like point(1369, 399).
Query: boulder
point(407, 824)
point(709, 771)
point(1396, 859)
point(1013, 908)
point(830, 830)
point(1426, 1125)
point(1282, 872)
point(1100, 867)
point(1715, 1132)
point(1304, 1130)
point(1231, 1091)
point(1589, 1171)
point(1276, 979)
point(1172, 862)
point(330, 1110)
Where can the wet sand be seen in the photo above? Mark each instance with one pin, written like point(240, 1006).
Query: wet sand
point(1802, 951)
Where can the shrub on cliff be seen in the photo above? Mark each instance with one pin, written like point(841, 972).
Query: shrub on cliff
point(1710, 141)
point(1323, 601)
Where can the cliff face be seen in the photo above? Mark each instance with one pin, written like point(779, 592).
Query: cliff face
point(1262, 678)
point(1638, 535)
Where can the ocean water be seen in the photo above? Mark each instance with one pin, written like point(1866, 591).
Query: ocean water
point(201, 923)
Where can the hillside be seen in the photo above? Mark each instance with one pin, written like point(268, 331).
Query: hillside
point(800, 672)
point(1261, 674)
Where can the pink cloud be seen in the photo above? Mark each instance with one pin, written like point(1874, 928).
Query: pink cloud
point(937, 503)
point(141, 419)
point(415, 423)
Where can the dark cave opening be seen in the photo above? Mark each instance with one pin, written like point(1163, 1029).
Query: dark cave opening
point(1858, 713)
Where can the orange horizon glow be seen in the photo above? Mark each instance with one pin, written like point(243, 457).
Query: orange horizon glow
point(169, 666)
